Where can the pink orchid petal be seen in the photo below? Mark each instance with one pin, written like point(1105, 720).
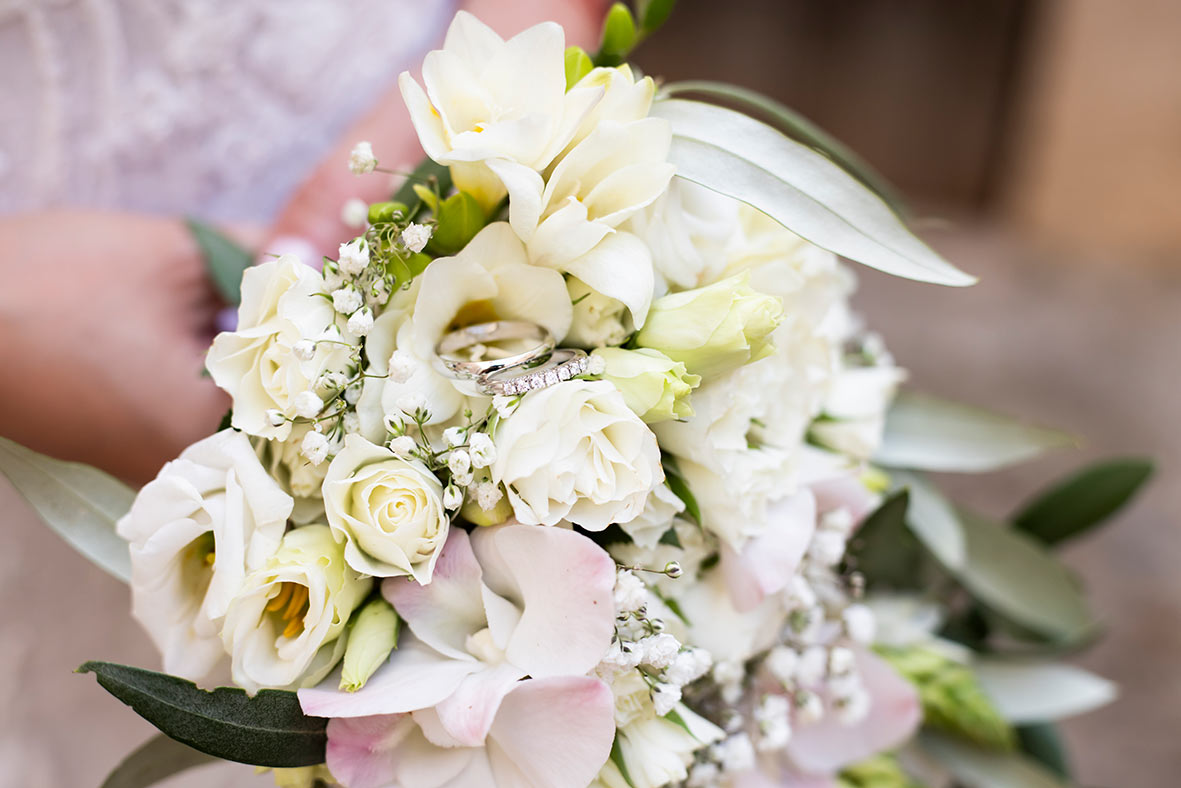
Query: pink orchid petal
point(767, 563)
point(447, 610)
point(563, 583)
point(415, 677)
point(555, 732)
point(467, 714)
point(360, 750)
point(828, 745)
point(845, 492)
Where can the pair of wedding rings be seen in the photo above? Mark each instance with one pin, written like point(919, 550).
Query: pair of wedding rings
point(508, 357)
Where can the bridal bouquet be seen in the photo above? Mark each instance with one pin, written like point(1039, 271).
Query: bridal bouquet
point(574, 468)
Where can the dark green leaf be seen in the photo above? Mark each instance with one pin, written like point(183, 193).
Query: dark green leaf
point(225, 259)
point(675, 717)
point(269, 729)
point(1083, 500)
point(676, 483)
point(619, 36)
point(227, 421)
point(670, 538)
point(884, 549)
point(654, 13)
point(796, 126)
point(1042, 743)
point(1014, 576)
point(429, 173)
point(158, 759)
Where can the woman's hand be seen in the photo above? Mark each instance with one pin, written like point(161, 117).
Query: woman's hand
point(104, 324)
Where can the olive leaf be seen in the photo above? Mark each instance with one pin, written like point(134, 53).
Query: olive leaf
point(157, 759)
point(1083, 500)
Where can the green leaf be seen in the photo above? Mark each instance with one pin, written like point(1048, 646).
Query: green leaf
point(1014, 576)
point(578, 65)
point(671, 539)
point(619, 36)
point(1042, 743)
point(82, 504)
point(1083, 500)
point(654, 13)
point(269, 729)
point(884, 550)
point(794, 125)
point(1027, 691)
point(680, 488)
point(225, 259)
point(157, 759)
point(974, 767)
point(932, 434)
point(933, 520)
point(429, 173)
point(460, 217)
point(807, 193)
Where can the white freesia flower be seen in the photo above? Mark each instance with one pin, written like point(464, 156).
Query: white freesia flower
point(387, 510)
point(487, 98)
point(576, 452)
point(490, 279)
point(256, 364)
point(284, 627)
point(568, 221)
point(208, 518)
point(625, 99)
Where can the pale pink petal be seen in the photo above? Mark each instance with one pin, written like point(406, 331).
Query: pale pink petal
point(846, 492)
point(361, 751)
point(563, 583)
point(828, 746)
point(447, 610)
point(553, 732)
point(767, 563)
point(415, 677)
point(467, 713)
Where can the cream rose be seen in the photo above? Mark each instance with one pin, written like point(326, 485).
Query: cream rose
point(388, 511)
point(208, 518)
point(284, 627)
point(256, 364)
point(576, 452)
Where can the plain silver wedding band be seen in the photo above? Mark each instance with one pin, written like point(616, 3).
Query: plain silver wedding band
point(452, 343)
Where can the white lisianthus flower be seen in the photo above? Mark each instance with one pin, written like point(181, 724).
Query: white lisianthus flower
point(688, 230)
point(657, 518)
point(257, 364)
point(713, 329)
point(576, 452)
point(598, 321)
point(855, 410)
point(387, 510)
point(208, 518)
point(284, 626)
point(491, 279)
point(488, 98)
point(653, 385)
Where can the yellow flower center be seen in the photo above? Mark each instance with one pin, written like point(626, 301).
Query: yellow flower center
point(291, 605)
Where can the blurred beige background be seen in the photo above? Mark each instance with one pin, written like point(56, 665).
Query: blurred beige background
point(1049, 135)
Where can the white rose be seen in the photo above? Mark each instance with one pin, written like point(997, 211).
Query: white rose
point(284, 627)
point(208, 518)
point(257, 364)
point(576, 452)
point(488, 98)
point(388, 511)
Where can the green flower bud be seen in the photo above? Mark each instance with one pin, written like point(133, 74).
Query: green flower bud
point(386, 211)
point(713, 329)
point(459, 218)
point(302, 777)
point(880, 771)
point(952, 698)
point(653, 385)
point(373, 634)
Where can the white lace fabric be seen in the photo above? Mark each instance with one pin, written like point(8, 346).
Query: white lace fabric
point(215, 108)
